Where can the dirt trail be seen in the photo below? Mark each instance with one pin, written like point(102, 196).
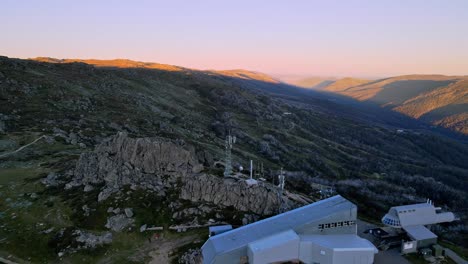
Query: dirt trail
point(162, 248)
point(21, 148)
point(159, 250)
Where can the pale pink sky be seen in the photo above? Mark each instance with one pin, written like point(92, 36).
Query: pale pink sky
point(362, 38)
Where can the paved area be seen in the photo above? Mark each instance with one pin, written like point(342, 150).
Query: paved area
point(391, 256)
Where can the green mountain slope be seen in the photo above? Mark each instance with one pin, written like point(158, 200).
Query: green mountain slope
point(317, 140)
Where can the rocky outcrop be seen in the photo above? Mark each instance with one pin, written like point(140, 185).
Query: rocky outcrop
point(160, 166)
point(260, 198)
point(144, 162)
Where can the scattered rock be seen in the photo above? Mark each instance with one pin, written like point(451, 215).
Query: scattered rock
point(106, 193)
point(52, 179)
point(110, 209)
point(192, 256)
point(47, 231)
point(88, 188)
point(128, 212)
point(90, 240)
point(143, 228)
point(119, 222)
point(86, 210)
point(249, 218)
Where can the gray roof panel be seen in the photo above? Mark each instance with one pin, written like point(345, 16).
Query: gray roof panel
point(294, 219)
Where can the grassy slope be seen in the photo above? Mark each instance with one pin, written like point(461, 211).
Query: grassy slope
point(96, 102)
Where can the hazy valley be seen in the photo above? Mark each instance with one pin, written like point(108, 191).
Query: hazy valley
point(435, 99)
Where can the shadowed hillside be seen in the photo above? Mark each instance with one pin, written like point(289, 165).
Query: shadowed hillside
point(435, 99)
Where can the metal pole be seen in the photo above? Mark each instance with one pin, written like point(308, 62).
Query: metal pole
point(251, 168)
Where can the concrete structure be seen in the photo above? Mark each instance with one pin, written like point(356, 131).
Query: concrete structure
point(322, 232)
point(413, 218)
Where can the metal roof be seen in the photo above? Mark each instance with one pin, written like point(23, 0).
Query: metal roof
point(219, 228)
point(419, 232)
point(294, 219)
point(347, 242)
point(416, 214)
point(413, 206)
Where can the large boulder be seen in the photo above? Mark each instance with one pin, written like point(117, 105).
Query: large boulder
point(143, 162)
point(119, 222)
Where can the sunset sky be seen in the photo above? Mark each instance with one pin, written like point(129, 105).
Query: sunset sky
point(301, 38)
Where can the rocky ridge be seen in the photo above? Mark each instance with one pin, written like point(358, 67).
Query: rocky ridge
point(163, 167)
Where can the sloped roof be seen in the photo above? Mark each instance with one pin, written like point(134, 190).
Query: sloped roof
point(419, 232)
point(416, 214)
point(294, 219)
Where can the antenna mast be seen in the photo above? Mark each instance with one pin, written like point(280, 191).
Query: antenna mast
point(281, 180)
point(230, 140)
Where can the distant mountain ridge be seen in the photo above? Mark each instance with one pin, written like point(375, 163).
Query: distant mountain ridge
point(117, 63)
point(315, 83)
point(436, 99)
point(125, 63)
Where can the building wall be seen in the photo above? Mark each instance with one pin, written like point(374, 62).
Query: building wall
point(289, 250)
point(313, 253)
point(426, 242)
point(409, 247)
point(353, 257)
point(336, 218)
point(231, 257)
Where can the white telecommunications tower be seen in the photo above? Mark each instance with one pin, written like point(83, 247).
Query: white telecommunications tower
point(281, 180)
point(230, 140)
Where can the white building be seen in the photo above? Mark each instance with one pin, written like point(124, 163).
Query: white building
point(322, 232)
point(413, 218)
